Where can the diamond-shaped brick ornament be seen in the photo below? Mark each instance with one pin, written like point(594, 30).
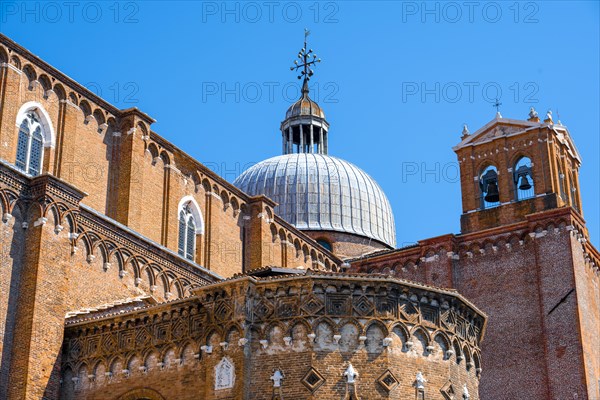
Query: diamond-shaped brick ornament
point(263, 309)
point(448, 391)
point(75, 348)
point(143, 337)
point(363, 306)
point(312, 306)
point(222, 311)
point(313, 380)
point(109, 343)
point(337, 304)
point(388, 381)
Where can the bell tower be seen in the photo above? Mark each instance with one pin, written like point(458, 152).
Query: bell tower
point(511, 168)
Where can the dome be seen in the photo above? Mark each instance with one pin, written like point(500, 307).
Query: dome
point(322, 193)
point(304, 106)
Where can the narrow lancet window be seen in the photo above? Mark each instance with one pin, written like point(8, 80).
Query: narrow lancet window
point(187, 233)
point(30, 145)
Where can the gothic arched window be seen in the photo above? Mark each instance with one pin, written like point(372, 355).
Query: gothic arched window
point(187, 233)
point(30, 145)
point(488, 186)
point(523, 179)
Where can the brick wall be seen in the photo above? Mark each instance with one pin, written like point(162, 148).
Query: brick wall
point(587, 285)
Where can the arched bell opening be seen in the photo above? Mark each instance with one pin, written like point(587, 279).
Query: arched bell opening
point(488, 186)
point(523, 179)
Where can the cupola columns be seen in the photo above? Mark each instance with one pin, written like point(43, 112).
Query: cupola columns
point(304, 138)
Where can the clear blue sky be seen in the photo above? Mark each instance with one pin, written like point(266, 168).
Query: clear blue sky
point(397, 82)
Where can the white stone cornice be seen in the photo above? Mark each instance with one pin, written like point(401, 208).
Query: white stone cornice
point(10, 66)
point(68, 102)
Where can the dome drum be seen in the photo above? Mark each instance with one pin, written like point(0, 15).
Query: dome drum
point(303, 138)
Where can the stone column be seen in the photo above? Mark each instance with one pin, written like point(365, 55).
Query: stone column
point(290, 140)
point(301, 140)
point(312, 140)
point(321, 144)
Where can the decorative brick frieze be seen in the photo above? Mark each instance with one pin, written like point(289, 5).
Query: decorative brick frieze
point(244, 308)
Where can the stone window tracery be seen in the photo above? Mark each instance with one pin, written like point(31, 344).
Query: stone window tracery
point(187, 233)
point(30, 145)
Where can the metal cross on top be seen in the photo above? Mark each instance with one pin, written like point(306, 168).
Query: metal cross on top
point(307, 59)
point(497, 104)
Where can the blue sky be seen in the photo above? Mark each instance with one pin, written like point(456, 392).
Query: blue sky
point(397, 82)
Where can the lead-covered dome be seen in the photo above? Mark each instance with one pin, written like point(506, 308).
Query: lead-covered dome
point(320, 192)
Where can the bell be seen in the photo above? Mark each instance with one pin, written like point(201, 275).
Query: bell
point(491, 195)
point(525, 185)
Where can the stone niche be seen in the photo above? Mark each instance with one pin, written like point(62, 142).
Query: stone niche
point(224, 374)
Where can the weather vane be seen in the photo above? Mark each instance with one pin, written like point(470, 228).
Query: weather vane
point(497, 104)
point(307, 59)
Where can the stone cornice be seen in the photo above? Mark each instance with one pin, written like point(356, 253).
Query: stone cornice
point(32, 187)
point(137, 113)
